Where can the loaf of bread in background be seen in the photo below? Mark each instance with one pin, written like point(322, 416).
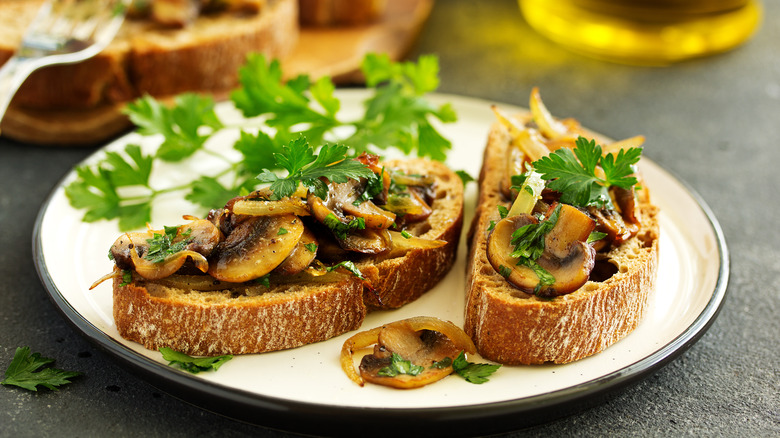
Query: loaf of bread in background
point(341, 12)
point(81, 103)
point(510, 326)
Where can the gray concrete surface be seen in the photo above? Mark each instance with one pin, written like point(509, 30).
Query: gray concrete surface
point(715, 122)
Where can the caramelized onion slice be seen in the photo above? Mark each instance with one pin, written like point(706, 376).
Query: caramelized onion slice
point(258, 207)
point(401, 245)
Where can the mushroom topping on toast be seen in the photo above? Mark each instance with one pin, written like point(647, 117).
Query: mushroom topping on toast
point(339, 204)
point(569, 200)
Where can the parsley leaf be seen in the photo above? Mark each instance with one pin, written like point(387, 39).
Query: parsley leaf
point(163, 245)
point(180, 125)
point(400, 366)
point(25, 371)
point(306, 168)
point(473, 372)
point(349, 266)
point(193, 364)
point(464, 176)
point(573, 172)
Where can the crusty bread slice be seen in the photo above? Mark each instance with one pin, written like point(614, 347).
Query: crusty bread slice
point(512, 327)
point(144, 58)
point(401, 280)
point(238, 320)
point(252, 318)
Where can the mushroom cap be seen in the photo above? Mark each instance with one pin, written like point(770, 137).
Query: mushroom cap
point(255, 247)
point(566, 256)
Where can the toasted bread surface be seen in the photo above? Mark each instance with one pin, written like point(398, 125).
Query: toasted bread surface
point(512, 327)
point(144, 58)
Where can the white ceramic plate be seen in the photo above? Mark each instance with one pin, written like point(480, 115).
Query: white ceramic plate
point(273, 388)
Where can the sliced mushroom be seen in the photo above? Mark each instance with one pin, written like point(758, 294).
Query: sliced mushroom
point(301, 256)
point(255, 247)
point(367, 241)
point(130, 249)
point(566, 256)
point(422, 341)
point(611, 222)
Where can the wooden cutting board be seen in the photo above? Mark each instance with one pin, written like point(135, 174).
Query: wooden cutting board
point(338, 51)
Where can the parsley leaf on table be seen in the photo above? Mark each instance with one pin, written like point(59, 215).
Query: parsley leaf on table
point(193, 364)
point(573, 172)
point(25, 371)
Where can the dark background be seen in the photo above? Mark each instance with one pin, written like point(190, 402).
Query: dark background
point(715, 122)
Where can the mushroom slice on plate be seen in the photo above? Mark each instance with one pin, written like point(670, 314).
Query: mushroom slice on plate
point(567, 257)
point(407, 354)
point(255, 247)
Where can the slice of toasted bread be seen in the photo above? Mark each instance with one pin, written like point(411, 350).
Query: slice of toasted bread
point(512, 327)
point(80, 103)
point(299, 309)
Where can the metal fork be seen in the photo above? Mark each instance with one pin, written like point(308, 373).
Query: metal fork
point(63, 32)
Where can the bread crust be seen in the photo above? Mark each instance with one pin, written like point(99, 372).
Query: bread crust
point(219, 322)
point(511, 327)
point(204, 57)
point(254, 319)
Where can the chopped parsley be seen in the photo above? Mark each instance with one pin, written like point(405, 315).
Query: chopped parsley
point(400, 366)
point(163, 245)
point(282, 231)
point(349, 266)
point(312, 247)
point(341, 229)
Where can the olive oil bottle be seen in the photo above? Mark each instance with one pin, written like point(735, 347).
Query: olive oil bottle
point(644, 32)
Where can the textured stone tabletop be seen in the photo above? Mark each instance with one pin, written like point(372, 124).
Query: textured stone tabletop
point(714, 122)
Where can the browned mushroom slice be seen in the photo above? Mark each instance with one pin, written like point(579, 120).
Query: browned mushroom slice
point(301, 256)
point(566, 257)
point(418, 343)
point(612, 223)
point(255, 247)
point(199, 237)
point(367, 241)
point(404, 358)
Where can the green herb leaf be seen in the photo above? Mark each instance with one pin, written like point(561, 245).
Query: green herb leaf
point(193, 364)
point(27, 371)
point(473, 372)
point(464, 177)
point(306, 168)
point(349, 266)
point(400, 366)
point(573, 172)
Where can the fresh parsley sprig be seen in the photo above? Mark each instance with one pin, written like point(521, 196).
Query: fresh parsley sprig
point(191, 364)
point(573, 172)
point(277, 113)
point(29, 371)
point(304, 167)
